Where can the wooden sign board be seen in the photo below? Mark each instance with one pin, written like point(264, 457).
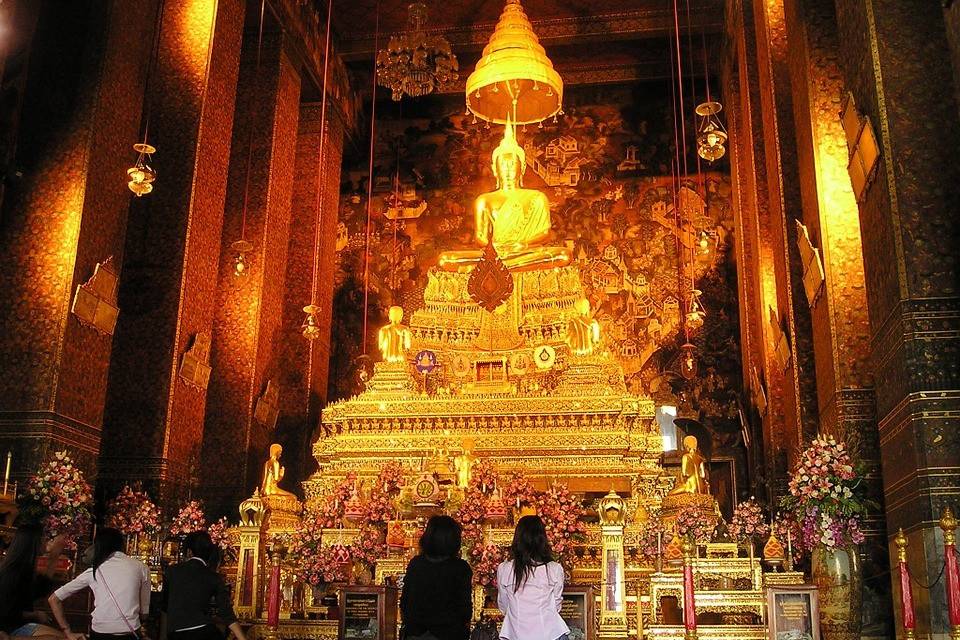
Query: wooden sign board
point(793, 613)
point(577, 610)
point(368, 613)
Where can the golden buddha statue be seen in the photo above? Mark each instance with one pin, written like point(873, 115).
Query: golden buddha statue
point(463, 463)
point(693, 470)
point(583, 332)
point(518, 219)
point(394, 338)
point(273, 473)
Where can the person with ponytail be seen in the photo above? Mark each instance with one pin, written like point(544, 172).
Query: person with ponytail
point(530, 586)
point(121, 592)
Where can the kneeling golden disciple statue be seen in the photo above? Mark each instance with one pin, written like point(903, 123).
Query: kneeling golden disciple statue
point(517, 219)
point(273, 473)
point(693, 470)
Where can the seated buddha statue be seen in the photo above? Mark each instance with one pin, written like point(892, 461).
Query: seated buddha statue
point(583, 332)
point(516, 219)
point(693, 470)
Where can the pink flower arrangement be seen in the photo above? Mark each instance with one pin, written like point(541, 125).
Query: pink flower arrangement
point(379, 508)
point(190, 518)
point(370, 545)
point(218, 533)
point(483, 476)
point(63, 496)
point(561, 512)
point(691, 522)
point(518, 490)
point(473, 508)
point(317, 564)
point(825, 497)
point(484, 559)
point(748, 522)
point(651, 536)
point(133, 512)
point(391, 478)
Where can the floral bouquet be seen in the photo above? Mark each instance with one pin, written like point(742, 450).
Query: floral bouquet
point(317, 565)
point(62, 498)
point(485, 558)
point(483, 476)
point(651, 536)
point(391, 478)
point(189, 519)
point(518, 490)
point(379, 508)
point(473, 508)
point(133, 512)
point(692, 523)
point(218, 533)
point(562, 512)
point(370, 545)
point(826, 497)
point(748, 522)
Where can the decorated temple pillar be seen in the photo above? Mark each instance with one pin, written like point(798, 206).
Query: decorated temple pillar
point(161, 368)
point(788, 315)
point(830, 241)
point(613, 605)
point(303, 378)
point(895, 59)
point(756, 273)
point(243, 404)
point(67, 125)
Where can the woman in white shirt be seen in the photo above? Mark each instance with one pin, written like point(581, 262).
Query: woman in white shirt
point(530, 586)
point(121, 592)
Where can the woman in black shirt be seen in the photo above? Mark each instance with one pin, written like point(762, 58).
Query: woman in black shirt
point(188, 590)
point(436, 603)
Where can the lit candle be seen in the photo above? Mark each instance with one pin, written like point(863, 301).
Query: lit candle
point(6, 474)
point(659, 543)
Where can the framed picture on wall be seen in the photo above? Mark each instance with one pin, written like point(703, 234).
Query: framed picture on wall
point(793, 613)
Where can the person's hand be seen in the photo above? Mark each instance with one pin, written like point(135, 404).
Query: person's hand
point(74, 635)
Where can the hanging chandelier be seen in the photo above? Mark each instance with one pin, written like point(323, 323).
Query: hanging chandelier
point(141, 174)
point(415, 63)
point(711, 136)
point(514, 80)
point(695, 312)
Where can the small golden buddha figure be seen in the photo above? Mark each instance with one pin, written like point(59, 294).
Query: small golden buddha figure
point(693, 470)
point(273, 473)
point(517, 218)
point(394, 338)
point(463, 463)
point(583, 332)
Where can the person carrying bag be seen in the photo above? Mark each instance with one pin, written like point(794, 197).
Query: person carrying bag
point(121, 592)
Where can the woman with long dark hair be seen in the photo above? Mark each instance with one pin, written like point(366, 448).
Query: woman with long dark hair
point(436, 599)
point(188, 589)
point(21, 585)
point(121, 591)
point(530, 586)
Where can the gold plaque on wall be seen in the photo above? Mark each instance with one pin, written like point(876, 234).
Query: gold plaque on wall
point(195, 366)
point(813, 275)
point(95, 303)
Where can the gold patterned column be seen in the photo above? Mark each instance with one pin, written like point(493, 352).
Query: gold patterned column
point(613, 606)
point(67, 124)
point(242, 409)
point(160, 370)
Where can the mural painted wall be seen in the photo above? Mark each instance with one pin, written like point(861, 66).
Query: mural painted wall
point(606, 168)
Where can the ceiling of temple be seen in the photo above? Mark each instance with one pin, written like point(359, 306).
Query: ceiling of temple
point(468, 23)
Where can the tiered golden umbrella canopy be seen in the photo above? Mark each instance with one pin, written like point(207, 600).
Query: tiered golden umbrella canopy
point(514, 79)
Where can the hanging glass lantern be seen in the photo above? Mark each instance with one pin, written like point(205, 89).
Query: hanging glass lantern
point(688, 361)
point(311, 324)
point(141, 174)
point(415, 63)
point(695, 312)
point(711, 136)
point(240, 249)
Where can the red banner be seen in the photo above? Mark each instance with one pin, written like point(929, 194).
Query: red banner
point(689, 606)
point(273, 602)
point(953, 584)
point(906, 597)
